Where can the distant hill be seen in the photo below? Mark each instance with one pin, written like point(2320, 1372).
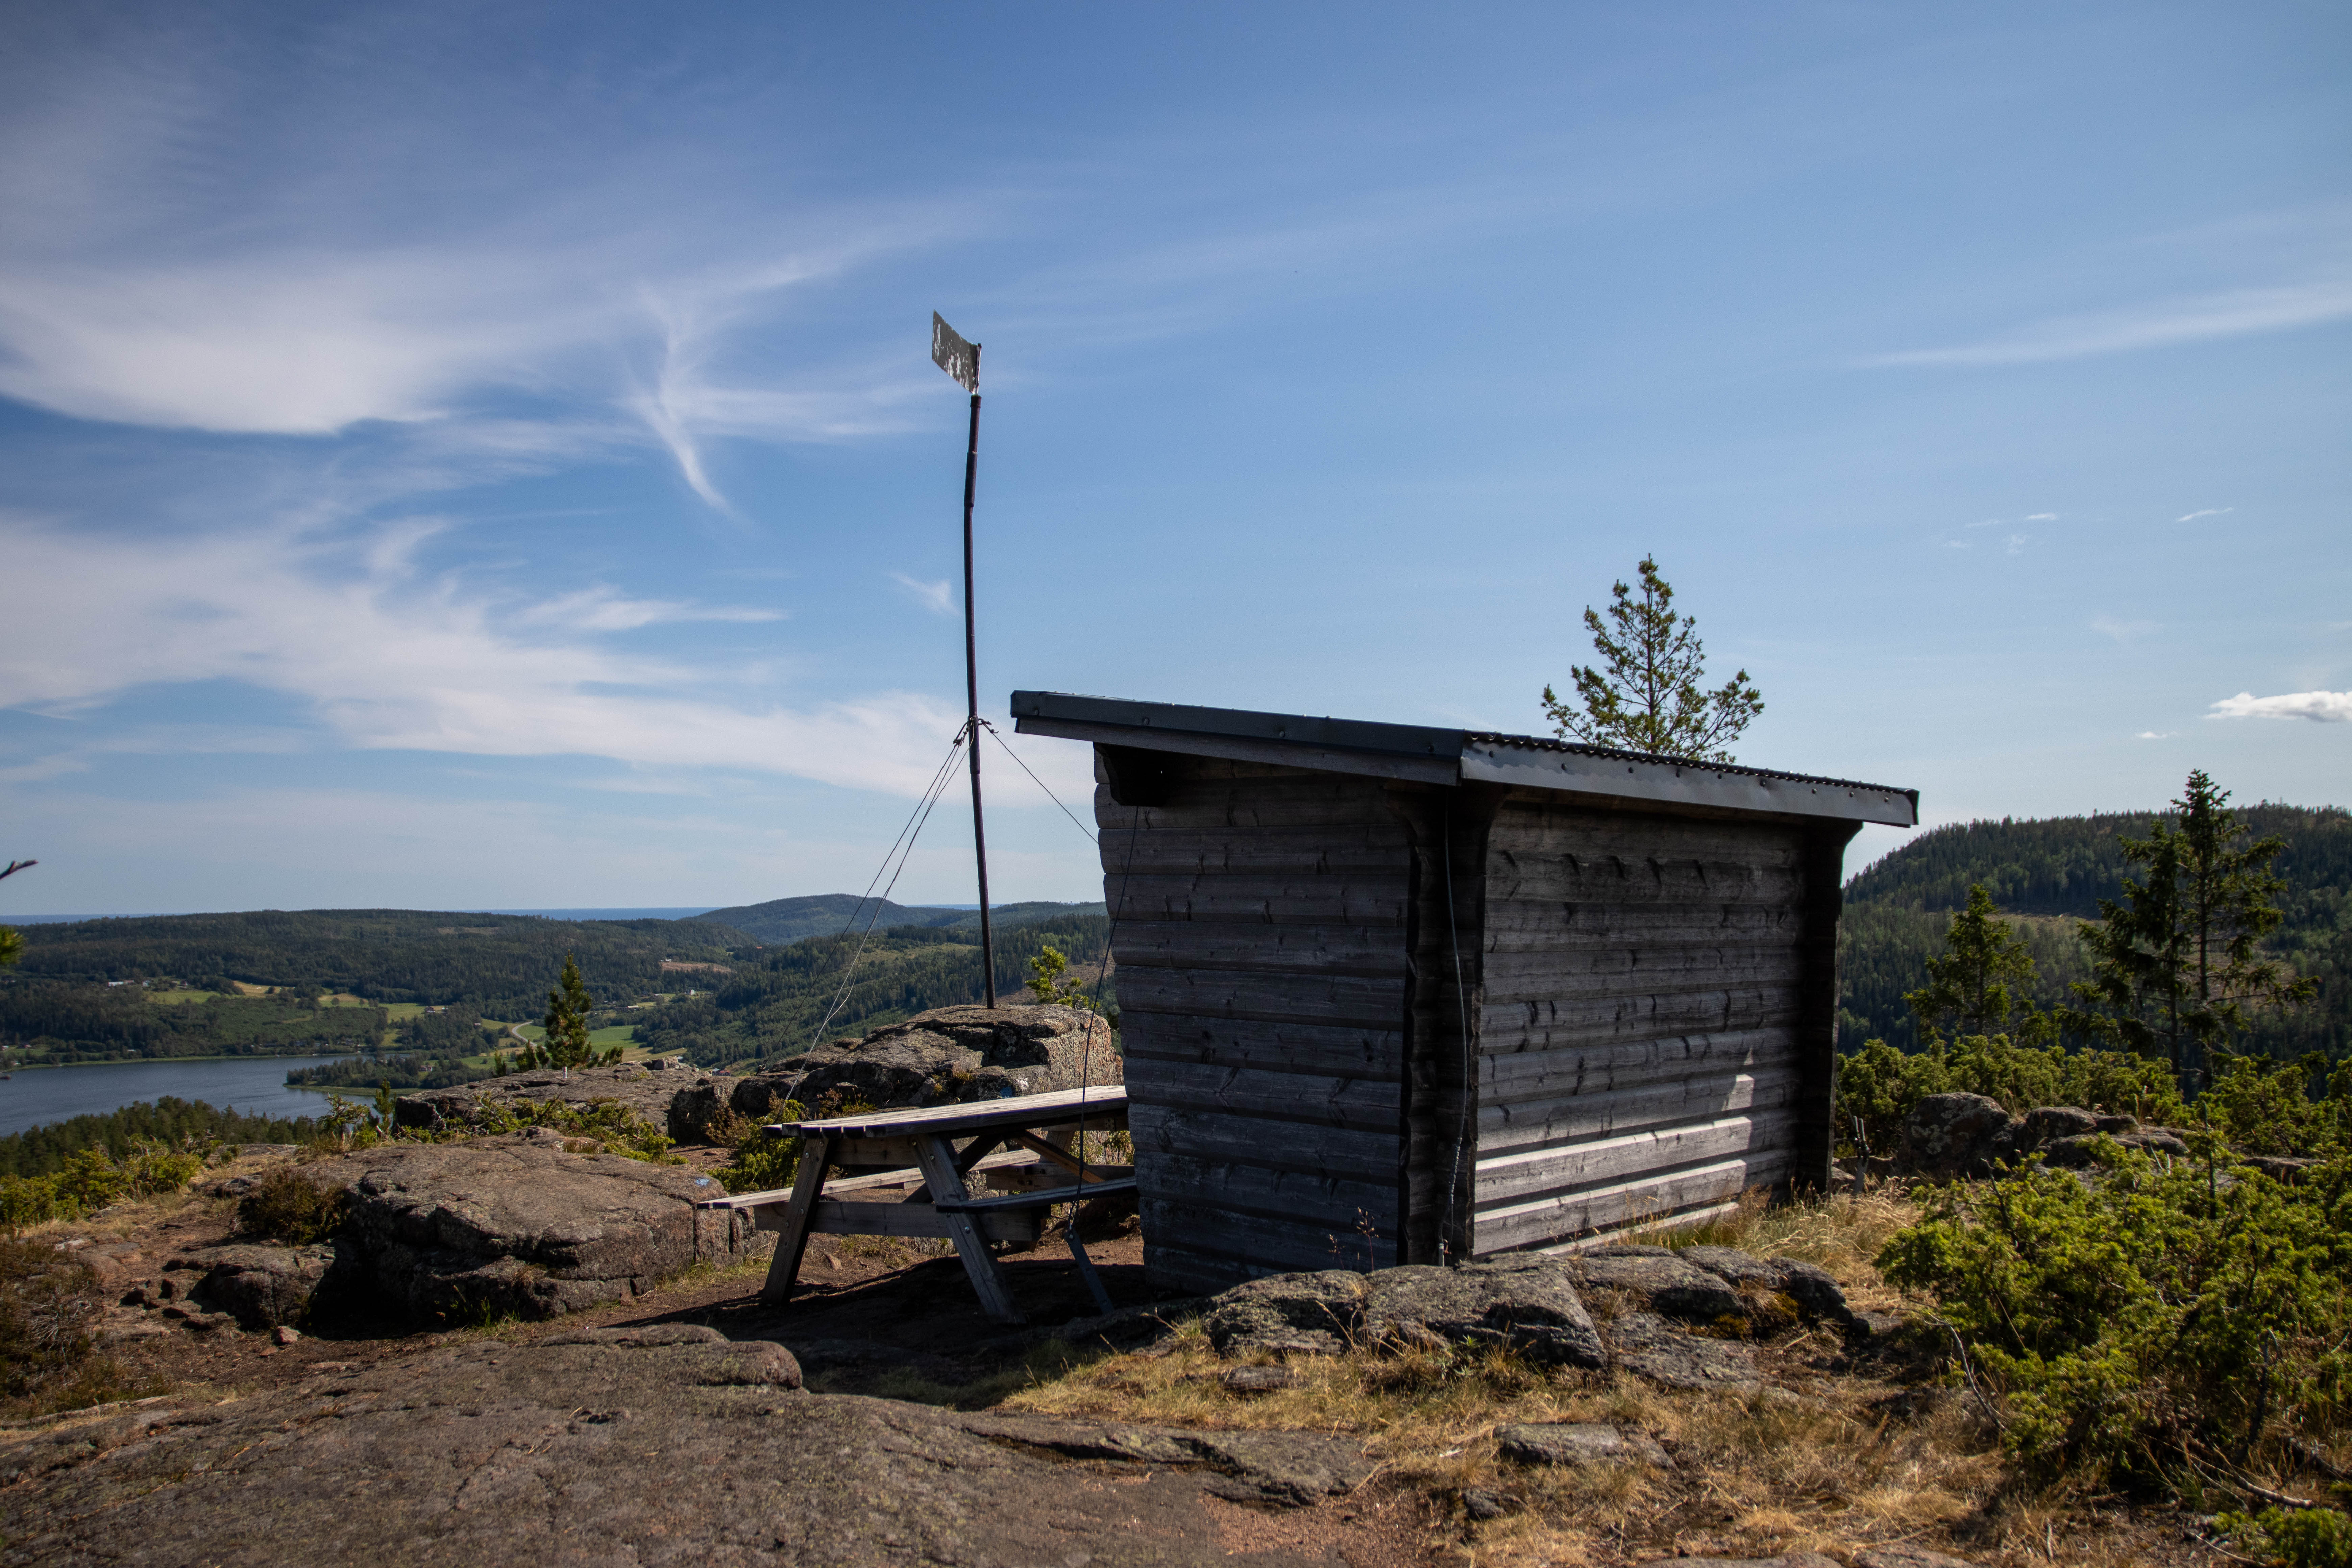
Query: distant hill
point(780, 921)
point(779, 1005)
point(72, 989)
point(2053, 872)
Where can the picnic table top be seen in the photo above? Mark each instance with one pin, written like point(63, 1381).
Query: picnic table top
point(978, 1116)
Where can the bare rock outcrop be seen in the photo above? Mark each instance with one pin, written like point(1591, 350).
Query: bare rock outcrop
point(511, 1225)
point(1970, 1135)
point(952, 1056)
point(664, 1451)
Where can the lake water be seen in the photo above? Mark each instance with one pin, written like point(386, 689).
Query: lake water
point(255, 1085)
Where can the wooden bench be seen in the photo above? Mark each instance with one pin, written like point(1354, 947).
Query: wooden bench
point(921, 1188)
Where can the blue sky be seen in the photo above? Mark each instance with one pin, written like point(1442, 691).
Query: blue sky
point(464, 458)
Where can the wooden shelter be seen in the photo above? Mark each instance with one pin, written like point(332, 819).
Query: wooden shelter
point(1396, 994)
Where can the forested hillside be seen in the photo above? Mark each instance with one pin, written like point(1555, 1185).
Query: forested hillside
point(782, 920)
point(772, 1007)
point(2053, 873)
point(68, 1022)
point(497, 965)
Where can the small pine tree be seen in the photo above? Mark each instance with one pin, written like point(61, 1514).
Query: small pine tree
point(566, 1023)
point(1644, 696)
point(1980, 981)
point(1045, 982)
point(2177, 965)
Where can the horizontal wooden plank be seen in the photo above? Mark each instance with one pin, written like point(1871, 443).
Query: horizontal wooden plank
point(1512, 923)
point(1175, 1271)
point(1620, 881)
point(1515, 1177)
point(1544, 1026)
point(1056, 1108)
point(1313, 1099)
point(1302, 901)
point(1310, 1198)
point(1240, 851)
point(1336, 1151)
point(833, 1218)
point(1524, 832)
point(1274, 1245)
point(1342, 999)
point(1342, 1050)
point(1527, 1124)
point(1528, 1074)
point(1616, 967)
point(1550, 1221)
point(1255, 944)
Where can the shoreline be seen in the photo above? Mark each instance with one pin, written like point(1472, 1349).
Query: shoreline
point(166, 1061)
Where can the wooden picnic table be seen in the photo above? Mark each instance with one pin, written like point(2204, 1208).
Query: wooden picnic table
point(915, 1168)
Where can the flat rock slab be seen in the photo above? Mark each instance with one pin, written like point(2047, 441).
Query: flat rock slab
point(1287, 1314)
point(264, 1287)
point(1793, 1559)
point(647, 1093)
point(1578, 1443)
point(951, 1055)
point(1670, 1355)
point(511, 1225)
point(1662, 1282)
point(606, 1454)
point(1528, 1305)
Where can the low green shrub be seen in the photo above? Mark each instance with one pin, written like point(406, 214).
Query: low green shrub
point(2160, 1312)
point(610, 1123)
point(289, 1206)
point(1878, 1086)
point(759, 1163)
point(88, 1181)
point(2294, 1538)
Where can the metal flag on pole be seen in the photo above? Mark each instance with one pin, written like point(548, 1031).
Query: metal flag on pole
point(961, 360)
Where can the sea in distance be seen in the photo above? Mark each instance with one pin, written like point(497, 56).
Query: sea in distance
point(33, 1097)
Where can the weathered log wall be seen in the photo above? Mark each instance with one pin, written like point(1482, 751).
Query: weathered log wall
point(1262, 945)
point(1643, 984)
point(1369, 1021)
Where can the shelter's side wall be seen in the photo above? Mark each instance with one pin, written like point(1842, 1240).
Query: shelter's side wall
point(1643, 989)
point(1260, 936)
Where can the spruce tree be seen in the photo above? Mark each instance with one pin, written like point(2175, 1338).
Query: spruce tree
point(1980, 981)
point(566, 1023)
point(2177, 964)
point(1644, 695)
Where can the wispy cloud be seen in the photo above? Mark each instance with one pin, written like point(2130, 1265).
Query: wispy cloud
point(2041, 516)
point(935, 597)
point(2157, 735)
point(2121, 630)
point(2322, 707)
point(388, 656)
point(2231, 313)
point(2209, 511)
point(2018, 542)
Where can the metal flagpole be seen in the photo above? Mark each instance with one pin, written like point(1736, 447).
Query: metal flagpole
point(961, 359)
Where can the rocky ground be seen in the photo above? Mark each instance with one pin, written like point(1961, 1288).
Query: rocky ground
point(554, 1352)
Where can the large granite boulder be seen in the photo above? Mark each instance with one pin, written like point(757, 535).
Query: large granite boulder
point(1287, 1314)
point(264, 1286)
point(513, 1226)
point(442, 1110)
point(1806, 1284)
point(1970, 1135)
point(1528, 1304)
point(952, 1056)
point(1662, 1280)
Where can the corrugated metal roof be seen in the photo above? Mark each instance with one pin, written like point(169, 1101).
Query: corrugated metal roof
point(1454, 757)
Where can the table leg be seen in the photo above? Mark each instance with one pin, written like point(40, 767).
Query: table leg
point(936, 1157)
point(792, 1238)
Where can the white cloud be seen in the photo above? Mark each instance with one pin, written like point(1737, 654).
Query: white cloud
point(2323, 706)
point(935, 597)
point(2041, 516)
point(2209, 511)
point(2121, 631)
point(2231, 313)
point(2018, 542)
point(387, 657)
point(2156, 735)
